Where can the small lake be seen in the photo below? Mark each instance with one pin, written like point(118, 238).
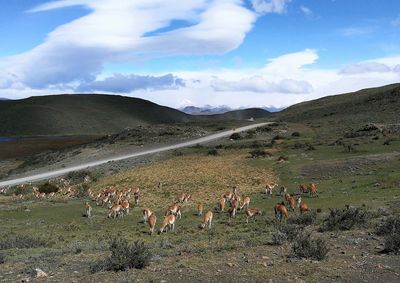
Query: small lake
point(7, 139)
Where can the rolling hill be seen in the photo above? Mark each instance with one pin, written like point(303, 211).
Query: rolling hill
point(81, 115)
point(373, 105)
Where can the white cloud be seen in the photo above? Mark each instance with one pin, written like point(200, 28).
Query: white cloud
point(356, 31)
point(366, 67)
point(124, 30)
point(261, 85)
point(306, 11)
point(119, 83)
point(270, 6)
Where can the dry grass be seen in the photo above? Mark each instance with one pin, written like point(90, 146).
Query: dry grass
point(205, 177)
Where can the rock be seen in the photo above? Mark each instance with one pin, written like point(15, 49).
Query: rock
point(229, 264)
point(38, 273)
point(265, 257)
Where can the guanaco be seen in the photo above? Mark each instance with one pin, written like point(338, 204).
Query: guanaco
point(174, 209)
point(168, 223)
point(281, 211)
point(152, 222)
point(146, 214)
point(115, 210)
point(207, 220)
point(88, 210)
point(221, 204)
point(200, 209)
point(303, 207)
point(252, 213)
point(246, 202)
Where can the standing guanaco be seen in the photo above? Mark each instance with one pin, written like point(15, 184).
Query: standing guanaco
point(168, 223)
point(200, 209)
point(146, 214)
point(152, 222)
point(281, 211)
point(221, 204)
point(207, 220)
point(88, 208)
point(252, 213)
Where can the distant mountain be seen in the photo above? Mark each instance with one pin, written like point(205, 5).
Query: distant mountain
point(81, 114)
point(273, 109)
point(205, 110)
point(243, 114)
point(2, 98)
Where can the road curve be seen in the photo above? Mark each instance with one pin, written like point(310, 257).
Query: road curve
point(57, 173)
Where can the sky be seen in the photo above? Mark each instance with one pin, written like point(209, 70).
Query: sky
point(239, 53)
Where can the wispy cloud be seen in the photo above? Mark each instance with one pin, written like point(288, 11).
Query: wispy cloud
point(396, 22)
point(270, 6)
point(119, 83)
point(306, 11)
point(356, 31)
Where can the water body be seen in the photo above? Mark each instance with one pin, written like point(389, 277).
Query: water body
point(7, 139)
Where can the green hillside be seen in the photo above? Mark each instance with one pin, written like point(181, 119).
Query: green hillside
point(374, 105)
point(81, 114)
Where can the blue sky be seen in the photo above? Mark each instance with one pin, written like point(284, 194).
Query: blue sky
point(220, 52)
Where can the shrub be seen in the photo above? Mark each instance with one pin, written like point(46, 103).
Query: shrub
point(2, 259)
point(282, 158)
point(79, 176)
point(235, 136)
point(284, 232)
point(177, 153)
point(258, 153)
point(48, 188)
point(295, 134)
point(305, 146)
point(344, 219)
point(388, 226)
point(213, 152)
point(311, 248)
point(303, 219)
point(21, 242)
point(124, 256)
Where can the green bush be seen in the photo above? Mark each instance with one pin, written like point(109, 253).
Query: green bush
point(235, 136)
point(390, 228)
point(213, 152)
point(48, 188)
point(124, 256)
point(256, 153)
point(295, 134)
point(344, 219)
point(310, 248)
point(2, 259)
point(303, 219)
point(284, 232)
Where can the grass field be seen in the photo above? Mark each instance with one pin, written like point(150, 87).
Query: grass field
point(367, 177)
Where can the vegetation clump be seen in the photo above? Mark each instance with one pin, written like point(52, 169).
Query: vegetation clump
point(390, 228)
point(257, 153)
point(235, 136)
point(344, 219)
point(304, 246)
point(48, 188)
point(284, 232)
point(213, 152)
point(124, 256)
point(303, 219)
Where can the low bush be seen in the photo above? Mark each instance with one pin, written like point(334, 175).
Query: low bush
point(303, 219)
point(304, 246)
point(344, 219)
point(235, 136)
point(259, 153)
point(21, 242)
point(295, 134)
point(390, 228)
point(48, 188)
point(2, 259)
point(284, 232)
point(124, 256)
point(213, 152)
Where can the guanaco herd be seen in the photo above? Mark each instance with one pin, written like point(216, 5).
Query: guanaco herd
point(118, 204)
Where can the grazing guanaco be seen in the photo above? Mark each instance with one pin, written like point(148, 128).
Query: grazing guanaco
point(125, 206)
point(200, 209)
point(280, 211)
point(168, 223)
point(152, 222)
point(207, 220)
point(291, 202)
point(221, 204)
point(174, 209)
point(184, 197)
point(146, 214)
point(283, 190)
point(136, 198)
point(235, 203)
point(303, 207)
point(312, 188)
point(269, 189)
point(287, 196)
point(246, 202)
point(232, 212)
point(303, 189)
point(88, 209)
point(115, 210)
point(228, 195)
point(252, 213)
